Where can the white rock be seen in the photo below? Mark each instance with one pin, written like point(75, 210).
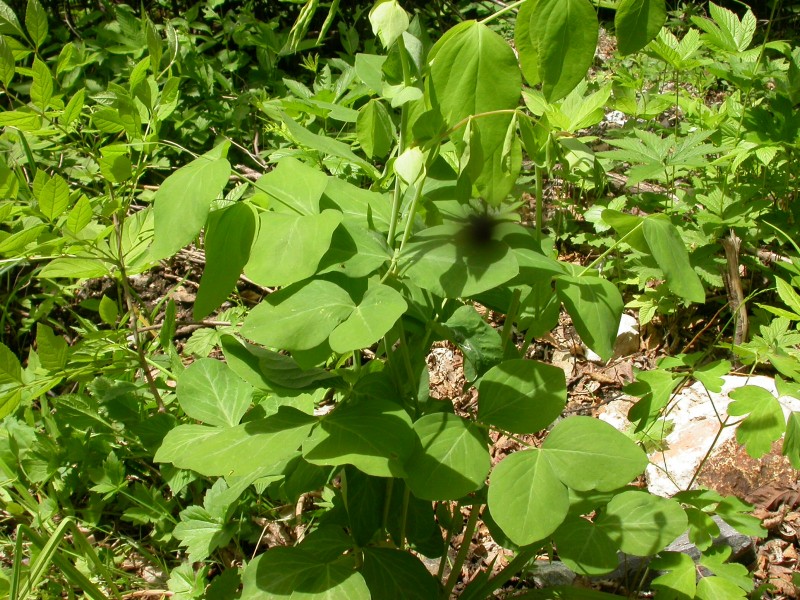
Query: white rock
point(694, 414)
point(627, 336)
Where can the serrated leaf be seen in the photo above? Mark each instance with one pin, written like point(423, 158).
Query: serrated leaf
point(184, 198)
point(52, 349)
point(54, 198)
point(526, 497)
point(450, 459)
point(73, 108)
point(7, 62)
point(10, 367)
point(200, 532)
point(9, 19)
point(298, 317)
point(736, 513)
point(375, 436)
point(791, 440)
point(588, 454)
point(521, 396)
point(36, 22)
point(764, 422)
point(210, 392)
point(42, 86)
point(789, 296)
point(24, 120)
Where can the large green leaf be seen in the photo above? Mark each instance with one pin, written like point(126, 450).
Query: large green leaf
point(526, 498)
point(304, 573)
point(240, 450)
point(764, 422)
point(396, 575)
point(288, 247)
point(184, 198)
point(791, 440)
point(473, 70)
point(375, 436)
point(355, 251)
point(272, 371)
point(10, 367)
point(561, 41)
point(595, 306)
point(521, 396)
point(670, 253)
point(585, 548)
point(679, 580)
point(637, 22)
point(377, 312)
point(374, 129)
point(450, 458)
point(642, 524)
point(479, 342)
point(440, 259)
point(299, 317)
point(54, 197)
point(296, 186)
point(501, 153)
point(36, 22)
point(210, 392)
point(588, 454)
point(227, 244)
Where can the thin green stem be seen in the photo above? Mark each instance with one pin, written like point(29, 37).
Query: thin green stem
point(401, 146)
point(486, 587)
point(463, 122)
point(503, 11)
point(404, 515)
point(472, 523)
point(600, 258)
point(386, 504)
point(445, 555)
point(511, 316)
point(539, 201)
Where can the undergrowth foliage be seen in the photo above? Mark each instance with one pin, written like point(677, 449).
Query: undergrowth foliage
point(376, 200)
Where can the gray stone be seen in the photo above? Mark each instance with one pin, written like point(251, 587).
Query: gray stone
point(545, 574)
point(739, 543)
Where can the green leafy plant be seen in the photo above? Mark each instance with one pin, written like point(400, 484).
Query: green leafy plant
point(375, 211)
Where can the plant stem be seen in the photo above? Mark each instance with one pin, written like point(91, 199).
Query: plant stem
point(512, 568)
point(404, 516)
point(502, 11)
point(600, 258)
point(466, 540)
point(454, 511)
point(539, 201)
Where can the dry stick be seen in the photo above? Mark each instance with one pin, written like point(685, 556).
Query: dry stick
point(733, 285)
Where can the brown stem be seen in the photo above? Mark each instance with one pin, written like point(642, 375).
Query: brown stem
point(733, 285)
